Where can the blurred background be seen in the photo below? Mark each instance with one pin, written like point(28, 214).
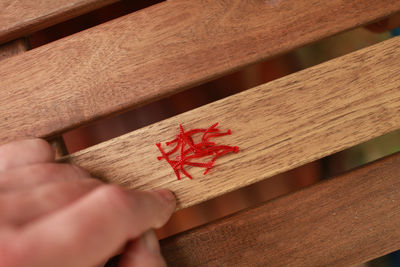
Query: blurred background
point(222, 87)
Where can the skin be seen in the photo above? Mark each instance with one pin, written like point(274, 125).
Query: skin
point(57, 215)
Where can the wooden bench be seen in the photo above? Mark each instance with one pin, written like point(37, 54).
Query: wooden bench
point(171, 46)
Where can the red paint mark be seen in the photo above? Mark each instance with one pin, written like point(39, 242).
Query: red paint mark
point(188, 152)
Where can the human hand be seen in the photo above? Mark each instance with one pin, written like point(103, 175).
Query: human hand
point(57, 215)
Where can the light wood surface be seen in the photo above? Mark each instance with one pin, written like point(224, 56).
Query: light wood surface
point(17, 47)
point(278, 126)
point(20, 18)
point(344, 221)
point(157, 51)
point(13, 48)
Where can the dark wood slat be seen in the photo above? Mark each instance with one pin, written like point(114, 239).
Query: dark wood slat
point(21, 18)
point(158, 51)
point(347, 220)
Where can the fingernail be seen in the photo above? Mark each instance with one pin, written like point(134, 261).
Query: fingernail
point(150, 241)
point(166, 194)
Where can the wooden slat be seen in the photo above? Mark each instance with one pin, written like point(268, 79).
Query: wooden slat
point(21, 18)
point(158, 51)
point(17, 47)
point(13, 48)
point(340, 222)
point(278, 126)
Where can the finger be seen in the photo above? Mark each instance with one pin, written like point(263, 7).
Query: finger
point(24, 206)
point(19, 153)
point(94, 227)
point(36, 174)
point(145, 252)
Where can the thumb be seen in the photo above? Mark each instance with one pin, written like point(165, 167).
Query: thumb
point(145, 251)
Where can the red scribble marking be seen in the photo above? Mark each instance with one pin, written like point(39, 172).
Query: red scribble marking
point(188, 150)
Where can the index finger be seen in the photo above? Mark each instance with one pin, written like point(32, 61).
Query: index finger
point(93, 228)
point(25, 152)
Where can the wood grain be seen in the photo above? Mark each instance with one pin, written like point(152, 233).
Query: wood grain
point(21, 18)
point(278, 126)
point(158, 51)
point(13, 48)
point(17, 47)
point(344, 221)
